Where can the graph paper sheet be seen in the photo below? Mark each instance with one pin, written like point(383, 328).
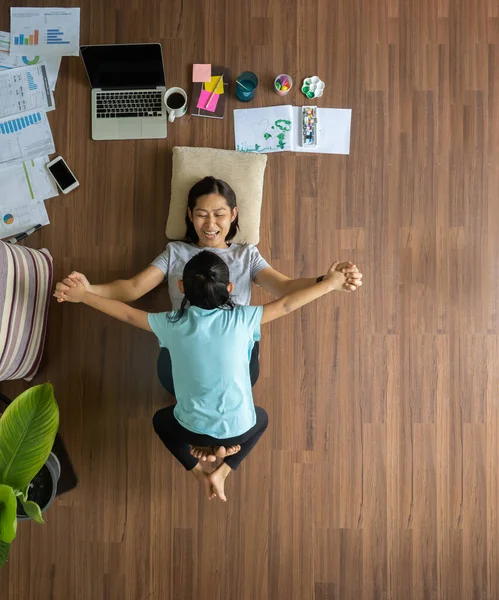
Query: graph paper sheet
point(25, 136)
point(46, 31)
point(25, 88)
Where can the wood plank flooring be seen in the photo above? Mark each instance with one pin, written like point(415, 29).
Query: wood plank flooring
point(377, 477)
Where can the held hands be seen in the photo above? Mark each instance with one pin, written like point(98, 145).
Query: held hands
point(74, 291)
point(353, 276)
point(343, 277)
point(70, 282)
point(336, 278)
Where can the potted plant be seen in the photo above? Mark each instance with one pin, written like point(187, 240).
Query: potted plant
point(28, 470)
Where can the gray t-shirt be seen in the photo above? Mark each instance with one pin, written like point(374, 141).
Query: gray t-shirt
point(244, 262)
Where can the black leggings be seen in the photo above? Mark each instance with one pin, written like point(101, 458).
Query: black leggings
point(178, 439)
point(165, 368)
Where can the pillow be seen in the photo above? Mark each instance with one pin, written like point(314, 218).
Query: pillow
point(243, 171)
point(25, 290)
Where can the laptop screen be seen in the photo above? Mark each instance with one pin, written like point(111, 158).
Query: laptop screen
point(123, 66)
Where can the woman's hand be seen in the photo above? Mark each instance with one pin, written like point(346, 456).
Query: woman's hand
point(75, 291)
point(62, 287)
point(335, 277)
point(353, 276)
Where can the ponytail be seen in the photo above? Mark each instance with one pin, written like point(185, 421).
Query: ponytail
point(206, 279)
point(179, 313)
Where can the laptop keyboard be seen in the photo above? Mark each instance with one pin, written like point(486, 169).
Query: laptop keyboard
point(110, 105)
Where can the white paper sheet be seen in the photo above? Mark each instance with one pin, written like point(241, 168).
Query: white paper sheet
point(48, 31)
point(25, 88)
point(267, 129)
point(278, 128)
point(4, 41)
point(333, 131)
point(7, 61)
point(17, 219)
point(25, 136)
point(26, 182)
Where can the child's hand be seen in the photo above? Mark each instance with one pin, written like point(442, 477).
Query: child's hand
point(336, 278)
point(61, 287)
point(353, 275)
point(75, 291)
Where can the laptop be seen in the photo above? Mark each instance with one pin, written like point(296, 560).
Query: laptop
point(128, 87)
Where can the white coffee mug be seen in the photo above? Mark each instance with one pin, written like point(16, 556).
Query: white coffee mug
point(179, 105)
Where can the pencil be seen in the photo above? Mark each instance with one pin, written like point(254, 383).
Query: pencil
point(213, 93)
point(243, 86)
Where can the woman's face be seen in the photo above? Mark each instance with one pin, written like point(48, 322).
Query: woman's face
point(212, 218)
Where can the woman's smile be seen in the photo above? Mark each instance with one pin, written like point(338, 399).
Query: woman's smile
point(211, 234)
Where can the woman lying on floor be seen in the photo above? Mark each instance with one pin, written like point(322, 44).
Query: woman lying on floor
point(210, 342)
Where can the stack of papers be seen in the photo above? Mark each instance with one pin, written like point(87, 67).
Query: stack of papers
point(30, 57)
point(9, 61)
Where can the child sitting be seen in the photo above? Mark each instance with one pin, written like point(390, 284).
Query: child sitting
point(210, 342)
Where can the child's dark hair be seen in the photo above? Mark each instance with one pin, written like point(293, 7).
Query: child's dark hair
point(205, 279)
point(204, 187)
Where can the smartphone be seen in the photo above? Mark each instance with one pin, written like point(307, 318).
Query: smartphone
point(62, 174)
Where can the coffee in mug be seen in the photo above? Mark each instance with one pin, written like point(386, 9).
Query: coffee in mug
point(176, 103)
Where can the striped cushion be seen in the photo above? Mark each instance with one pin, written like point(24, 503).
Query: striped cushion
point(25, 288)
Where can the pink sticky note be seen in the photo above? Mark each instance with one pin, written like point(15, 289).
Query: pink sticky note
point(201, 73)
point(203, 100)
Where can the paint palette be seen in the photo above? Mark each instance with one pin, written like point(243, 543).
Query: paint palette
point(309, 126)
point(313, 87)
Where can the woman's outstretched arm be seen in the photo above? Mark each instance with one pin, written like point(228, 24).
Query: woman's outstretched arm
point(126, 290)
point(279, 285)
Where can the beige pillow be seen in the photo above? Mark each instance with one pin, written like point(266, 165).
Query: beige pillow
point(241, 170)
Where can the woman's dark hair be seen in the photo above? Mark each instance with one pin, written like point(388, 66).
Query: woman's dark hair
point(210, 185)
point(205, 279)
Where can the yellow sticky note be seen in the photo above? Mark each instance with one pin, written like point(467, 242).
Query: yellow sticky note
point(215, 85)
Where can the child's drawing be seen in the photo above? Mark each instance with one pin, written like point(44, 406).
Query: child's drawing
point(260, 129)
point(263, 129)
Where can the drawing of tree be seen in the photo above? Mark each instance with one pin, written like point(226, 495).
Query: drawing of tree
point(281, 143)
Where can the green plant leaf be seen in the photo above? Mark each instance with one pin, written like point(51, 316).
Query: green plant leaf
point(8, 517)
point(4, 552)
point(27, 432)
point(33, 511)
point(23, 494)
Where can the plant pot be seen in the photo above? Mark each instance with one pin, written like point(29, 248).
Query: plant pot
point(43, 486)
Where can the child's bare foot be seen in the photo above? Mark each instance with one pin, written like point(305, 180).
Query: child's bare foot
point(203, 477)
point(223, 451)
point(204, 453)
point(210, 454)
point(217, 480)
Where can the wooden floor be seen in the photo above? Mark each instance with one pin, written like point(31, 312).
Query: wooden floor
point(377, 477)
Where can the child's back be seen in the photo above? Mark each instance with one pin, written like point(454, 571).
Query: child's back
point(210, 352)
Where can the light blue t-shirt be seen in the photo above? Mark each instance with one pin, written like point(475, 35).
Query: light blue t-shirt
point(210, 352)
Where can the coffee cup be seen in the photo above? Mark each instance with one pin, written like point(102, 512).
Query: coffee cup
point(176, 103)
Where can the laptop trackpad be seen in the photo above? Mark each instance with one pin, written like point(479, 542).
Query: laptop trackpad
point(128, 128)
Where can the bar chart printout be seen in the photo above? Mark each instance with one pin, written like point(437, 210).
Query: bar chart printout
point(48, 31)
point(25, 136)
point(25, 88)
point(30, 39)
